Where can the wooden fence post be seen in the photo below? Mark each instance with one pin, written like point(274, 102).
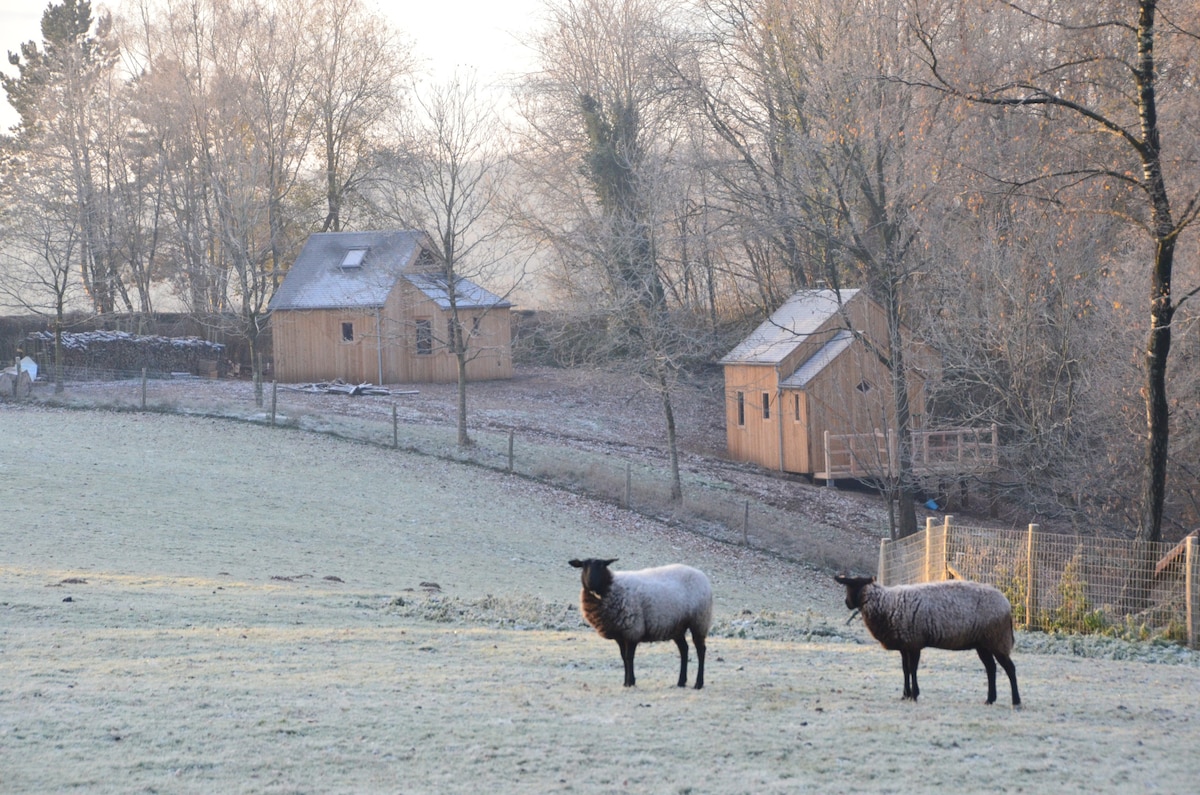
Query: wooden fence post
point(1191, 591)
point(395, 428)
point(927, 573)
point(274, 400)
point(510, 450)
point(143, 389)
point(881, 575)
point(943, 551)
point(628, 485)
point(746, 526)
point(1031, 595)
point(829, 484)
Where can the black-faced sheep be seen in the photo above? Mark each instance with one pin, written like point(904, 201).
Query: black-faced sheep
point(632, 607)
point(953, 615)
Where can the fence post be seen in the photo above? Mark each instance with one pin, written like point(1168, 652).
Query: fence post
point(746, 526)
point(143, 389)
point(943, 551)
point(1031, 596)
point(828, 464)
point(395, 428)
point(510, 450)
point(628, 485)
point(927, 574)
point(274, 400)
point(882, 575)
point(1191, 591)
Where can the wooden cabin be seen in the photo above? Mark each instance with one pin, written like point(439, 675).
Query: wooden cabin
point(806, 376)
point(374, 307)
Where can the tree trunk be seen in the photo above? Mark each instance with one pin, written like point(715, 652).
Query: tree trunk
point(464, 440)
point(664, 392)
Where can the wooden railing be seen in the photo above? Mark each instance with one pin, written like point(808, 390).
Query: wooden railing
point(874, 455)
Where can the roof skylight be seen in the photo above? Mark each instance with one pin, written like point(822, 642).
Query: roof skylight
point(354, 258)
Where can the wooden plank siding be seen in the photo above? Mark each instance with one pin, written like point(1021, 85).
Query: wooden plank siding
point(309, 345)
point(851, 393)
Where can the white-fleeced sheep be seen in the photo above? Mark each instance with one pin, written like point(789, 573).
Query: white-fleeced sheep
point(954, 615)
point(657, 604)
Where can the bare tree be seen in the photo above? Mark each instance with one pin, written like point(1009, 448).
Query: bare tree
point(603, 107)
point(1096, 70)
point(450, 178)
point(358, 65)
point(40, 231)
point(829, 163)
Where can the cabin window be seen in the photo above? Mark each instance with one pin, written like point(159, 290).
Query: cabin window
point(741, 408)
point(864, 386)
point(354, 258)
point(766, 405)
point(424, 336)
point(796, 406)
point(347, 332)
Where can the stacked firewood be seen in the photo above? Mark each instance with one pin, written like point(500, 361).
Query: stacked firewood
point(124, 352)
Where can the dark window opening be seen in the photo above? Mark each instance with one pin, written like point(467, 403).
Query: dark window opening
point(741, 406)
point(797, 399)
point(347, 332)
point(766, 405)
point(424, 337)
point(864, 387)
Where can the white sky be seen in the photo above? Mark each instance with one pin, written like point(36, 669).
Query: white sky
point(448, 33)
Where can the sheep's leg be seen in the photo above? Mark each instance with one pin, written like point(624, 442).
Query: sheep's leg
point(904, 664)
point(989, 665)
point(627, 649)
point(681, 642)
point(698, 640)
point(1010, 669)
point(914, 659)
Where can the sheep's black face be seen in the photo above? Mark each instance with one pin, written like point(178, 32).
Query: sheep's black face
point(854, 586)
point(595, 575)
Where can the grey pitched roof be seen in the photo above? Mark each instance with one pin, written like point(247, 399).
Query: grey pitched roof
point(468, 294)
point(819, 360)
point(788, 326)
point(323, 278)
point(316, 279)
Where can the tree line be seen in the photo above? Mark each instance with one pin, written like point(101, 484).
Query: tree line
point(1013, 182)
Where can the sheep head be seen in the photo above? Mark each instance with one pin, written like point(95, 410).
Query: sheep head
point(854, 586)
point(594, 574)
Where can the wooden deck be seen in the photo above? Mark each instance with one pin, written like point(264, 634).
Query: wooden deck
point(951, 451)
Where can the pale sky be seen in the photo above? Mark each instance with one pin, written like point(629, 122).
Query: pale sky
point(448, 33)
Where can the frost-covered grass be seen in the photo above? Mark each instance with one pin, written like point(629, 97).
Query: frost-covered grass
point(266, 610)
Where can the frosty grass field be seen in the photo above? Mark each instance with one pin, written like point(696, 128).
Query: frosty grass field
point(200, 606)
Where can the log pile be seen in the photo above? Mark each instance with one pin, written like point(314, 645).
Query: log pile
point(340, 387)
point(124, 352)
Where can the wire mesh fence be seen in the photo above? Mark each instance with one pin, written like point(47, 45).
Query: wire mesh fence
point(1061, 582)
point(1054, 582)
point(709, 506)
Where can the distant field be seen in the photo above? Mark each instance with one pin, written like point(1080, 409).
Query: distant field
point(193, 605)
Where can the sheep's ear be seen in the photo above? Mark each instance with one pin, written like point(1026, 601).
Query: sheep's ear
point(576, 563)
point(841, 579)
point(610, 561)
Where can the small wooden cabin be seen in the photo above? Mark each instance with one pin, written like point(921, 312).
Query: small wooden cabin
point(375, 307)
point(804, 372)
